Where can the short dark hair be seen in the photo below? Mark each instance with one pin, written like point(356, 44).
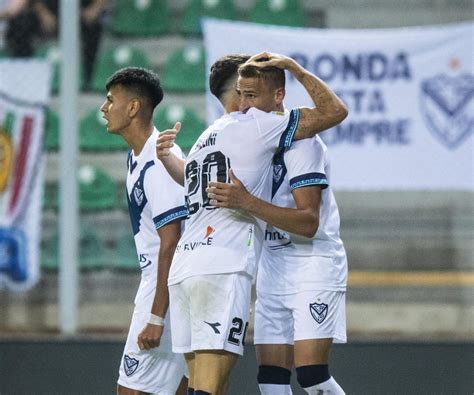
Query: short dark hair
point(144, 83)
point(272, 76)
point(224, 70)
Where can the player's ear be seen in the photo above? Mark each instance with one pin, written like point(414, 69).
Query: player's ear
point(133, 107)
point(279, 95)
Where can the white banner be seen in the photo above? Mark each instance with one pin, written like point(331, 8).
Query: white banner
point(24, 91)
point(410, 93)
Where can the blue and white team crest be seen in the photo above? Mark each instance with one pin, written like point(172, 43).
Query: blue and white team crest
point(319, 311)
point(447, 105)
point(277, 173)
point(130, 365)
point(138, 194)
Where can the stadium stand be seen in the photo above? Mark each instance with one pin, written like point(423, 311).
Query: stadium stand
point(97, 190)
point(125, 256)
point(192, 126)
point(184, 70)
point(278, 12)
point(51, 130)
point(140, 18)
point(113, 59)
point(196, 9)
point(94, 136)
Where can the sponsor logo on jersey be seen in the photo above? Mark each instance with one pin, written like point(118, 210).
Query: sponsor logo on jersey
point(447, 105)
point(144, 261)
point(192, 245)
point(130, 365)
point(319, 311)
point(214, 326)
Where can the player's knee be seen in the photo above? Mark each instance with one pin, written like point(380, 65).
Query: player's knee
point(311, 375)
point(273, 375)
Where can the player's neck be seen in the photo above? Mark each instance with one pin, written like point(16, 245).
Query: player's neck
point(136, 137)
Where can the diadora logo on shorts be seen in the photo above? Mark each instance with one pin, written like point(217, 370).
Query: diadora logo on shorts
point(447, 104)
point(214, 326)
point(319, 311)
point(130, 365)
point(206, 241)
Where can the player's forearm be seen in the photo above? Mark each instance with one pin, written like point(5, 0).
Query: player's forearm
point(298, 221)
point(161, 300)
point(175, 167)
point(329, 109)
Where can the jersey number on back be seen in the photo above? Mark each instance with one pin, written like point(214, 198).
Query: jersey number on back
point(214, 167)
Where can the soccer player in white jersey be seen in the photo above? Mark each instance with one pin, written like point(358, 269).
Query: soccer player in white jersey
point(156, 208)
point(215, 260)
point(302, 273)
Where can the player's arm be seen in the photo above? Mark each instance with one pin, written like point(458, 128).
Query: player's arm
point(169, 235)
point(302, 220)
point(173, 164)
point(328, 110)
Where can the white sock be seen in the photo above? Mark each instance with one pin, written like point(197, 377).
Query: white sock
point(275, 389)
point(328, 387)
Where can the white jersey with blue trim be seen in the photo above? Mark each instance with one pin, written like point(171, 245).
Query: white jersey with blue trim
point(305, 163)
point(154, 200)
point(218, 240)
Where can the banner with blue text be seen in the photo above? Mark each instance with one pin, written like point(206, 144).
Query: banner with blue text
point(410, 94)
point(24, 92)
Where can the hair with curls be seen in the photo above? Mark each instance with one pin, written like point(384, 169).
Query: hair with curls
point(142, 82)
point(224, 72)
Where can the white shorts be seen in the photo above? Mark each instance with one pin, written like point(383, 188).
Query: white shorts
point(284, 319)
point(210, 312)
point(158, 370)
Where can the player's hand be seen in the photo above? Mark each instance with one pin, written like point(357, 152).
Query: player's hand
point(267, 59)
point(229, 195)
point(165, 141)
point(150, 337)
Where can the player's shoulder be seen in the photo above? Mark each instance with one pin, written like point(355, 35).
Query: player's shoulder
point(310, 144)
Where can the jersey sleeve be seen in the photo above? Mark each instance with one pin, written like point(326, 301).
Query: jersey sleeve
point(277, 129)
point(165, 196)
point(305, 162)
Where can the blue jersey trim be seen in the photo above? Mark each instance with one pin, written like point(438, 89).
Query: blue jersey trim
point(287, 137)
point(170, 216)
point(309, 179)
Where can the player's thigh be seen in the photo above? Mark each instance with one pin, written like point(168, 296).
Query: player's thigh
point(273, 319)
point(212, 369)
point(275, 355)
point(219, 311)
point(180, 318)
point(319, 319)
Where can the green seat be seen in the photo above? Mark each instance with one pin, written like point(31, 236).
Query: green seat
point(125, 257)
point(185, 70)
point(51, 130)
point(97, 190)
point(140, 17)
point(92, 251)
point(191, 19)
point(278, 12)
point(52, 53)
point(191, 125)
point(93, 135)
point(113, 59)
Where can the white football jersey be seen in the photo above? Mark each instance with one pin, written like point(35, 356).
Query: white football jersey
point(154, 200)
point(289, 260)
point(217, 240)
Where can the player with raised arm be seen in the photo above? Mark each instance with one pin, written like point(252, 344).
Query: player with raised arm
point(215, 260)
point(156, 208)
point(302, 274)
